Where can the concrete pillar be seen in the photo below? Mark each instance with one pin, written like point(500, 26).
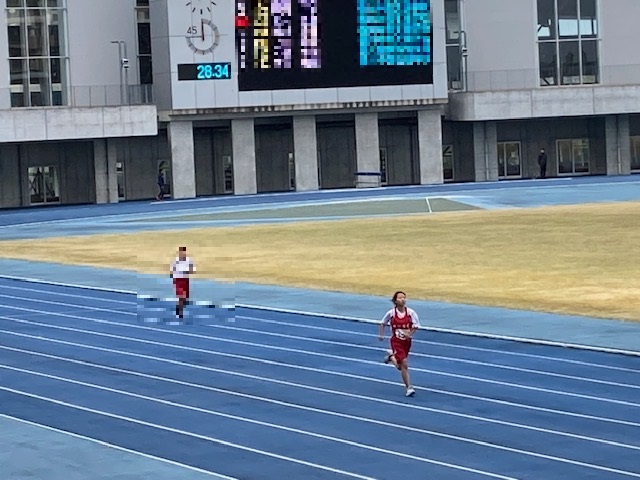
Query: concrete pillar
point(618, 147)
point(106, 176)
point(485, 151)
point(367, 147)
point(112, 160)
point(430, 146)
point(101, 170)
point(244, 156)
point(305, 147)
point(183, 168)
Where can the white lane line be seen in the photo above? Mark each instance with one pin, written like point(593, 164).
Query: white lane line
point(311, 353)
point(351, 332)
point(299, 407)
point(494, 401)
point(443, 344)
point(184, 433)
point(533, 341)
point(342, 441)
point(349, 345)
point(316, 389)
point(438, 357)
point(215, 475)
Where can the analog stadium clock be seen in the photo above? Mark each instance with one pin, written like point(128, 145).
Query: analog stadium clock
point(203, 35)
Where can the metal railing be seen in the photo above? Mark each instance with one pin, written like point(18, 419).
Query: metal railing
point(79, 96)
point(525, 79)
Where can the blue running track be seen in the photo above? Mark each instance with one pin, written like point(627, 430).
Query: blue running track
point(274, 395)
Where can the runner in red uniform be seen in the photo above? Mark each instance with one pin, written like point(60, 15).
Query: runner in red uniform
point(404, 323)
point(181, 268)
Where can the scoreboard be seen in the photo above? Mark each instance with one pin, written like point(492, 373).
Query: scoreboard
point(293, 44)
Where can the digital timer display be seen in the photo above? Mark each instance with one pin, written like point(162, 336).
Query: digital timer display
point(204, 71)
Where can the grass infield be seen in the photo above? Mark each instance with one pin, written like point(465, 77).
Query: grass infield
point(566, 259)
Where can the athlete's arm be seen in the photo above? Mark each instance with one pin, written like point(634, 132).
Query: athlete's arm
point(383, 323)
point(415, 323)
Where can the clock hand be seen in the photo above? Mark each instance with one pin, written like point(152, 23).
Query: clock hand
point(202, 29)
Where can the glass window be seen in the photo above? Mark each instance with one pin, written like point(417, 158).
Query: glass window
point(452, 20)
point(569, 63)
point(144, 43)
point(546, 19)
point(590, 62)
point(453, 66)
point(568, 56)
point(568, 18)
point(144, 39)
point(37, 52)
point(16, 33)
point(548, 64)
point(588, 21)
point(146, 70)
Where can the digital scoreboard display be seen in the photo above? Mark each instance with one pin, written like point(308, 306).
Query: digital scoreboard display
point(286, 44)
point(204, 71)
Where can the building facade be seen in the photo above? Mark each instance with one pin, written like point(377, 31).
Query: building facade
point(97, 99)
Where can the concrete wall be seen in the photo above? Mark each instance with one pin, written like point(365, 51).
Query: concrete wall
point(162, 78)
point(620, 60)
point(501, 41)
point(544, 102)
point(10, 178)
point(92, 26)
point(61, 123)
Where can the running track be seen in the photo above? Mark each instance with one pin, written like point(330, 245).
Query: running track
point(276, 395)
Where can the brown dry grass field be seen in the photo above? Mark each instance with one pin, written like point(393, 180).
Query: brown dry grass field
point(566, 259)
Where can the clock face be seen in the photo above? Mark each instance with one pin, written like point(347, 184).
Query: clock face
point(203, 35)
point(201, 6)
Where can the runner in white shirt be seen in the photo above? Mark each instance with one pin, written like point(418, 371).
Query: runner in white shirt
point(404, 323)
point(181, 268)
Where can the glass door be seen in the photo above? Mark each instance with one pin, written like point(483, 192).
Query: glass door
point(509, 160)
point(227, 165)
point(383, 166)
point(573, 156)
point(635, 154)
point(44, 187)
point(447, 163)
point(120, 175)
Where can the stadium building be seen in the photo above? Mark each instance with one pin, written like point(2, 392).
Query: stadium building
point(97, 98)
